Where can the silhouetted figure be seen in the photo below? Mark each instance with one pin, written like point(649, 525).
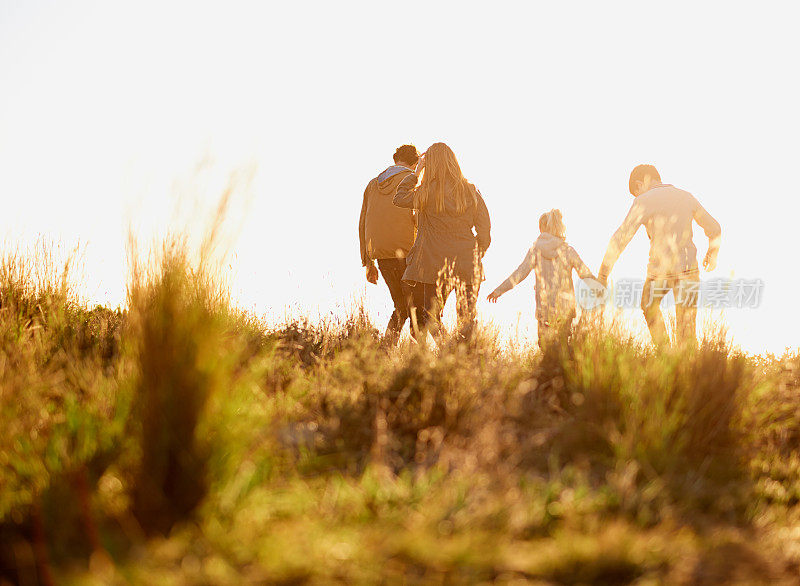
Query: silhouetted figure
point(447, 253)
point(386, 234)
point(667, 214)
point(552, 260)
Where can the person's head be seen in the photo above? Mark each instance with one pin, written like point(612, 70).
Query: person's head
point(406, 155)
point(552, 223)
point(642, 178)
point(442, 169)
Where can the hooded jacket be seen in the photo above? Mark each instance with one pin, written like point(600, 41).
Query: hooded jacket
point(384, 230)
point(552, 261)
point(445, 239)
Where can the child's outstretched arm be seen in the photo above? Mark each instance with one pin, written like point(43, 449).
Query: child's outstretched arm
point(522, 271)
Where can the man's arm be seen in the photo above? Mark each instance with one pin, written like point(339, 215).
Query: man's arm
point(620, 240)
point(713, 231)
point(362, 238)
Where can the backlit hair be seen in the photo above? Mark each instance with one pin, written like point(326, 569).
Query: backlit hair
point(442, 169)
point(552, 223)
point(639, 173)
point(407, 154)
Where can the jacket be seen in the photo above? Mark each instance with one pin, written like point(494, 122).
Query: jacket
point(445, 239)
point(552, 261)
point(384, 230)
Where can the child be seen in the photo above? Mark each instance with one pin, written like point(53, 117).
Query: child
point(552, 261)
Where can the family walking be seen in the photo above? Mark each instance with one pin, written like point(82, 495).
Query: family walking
point(428, 229)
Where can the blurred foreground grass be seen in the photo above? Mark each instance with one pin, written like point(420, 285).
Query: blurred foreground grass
point(182, 442)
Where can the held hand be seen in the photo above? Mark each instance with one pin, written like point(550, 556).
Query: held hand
point(603, 280)
point(372, 274)
point(710, 262)
point(493, 297)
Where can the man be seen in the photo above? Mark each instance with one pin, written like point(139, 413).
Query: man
point(386, 234)
point(666, 213)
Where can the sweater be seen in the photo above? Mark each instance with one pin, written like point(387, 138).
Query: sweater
point(667, 213)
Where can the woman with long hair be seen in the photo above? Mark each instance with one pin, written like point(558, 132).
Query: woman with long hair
point(447, 253)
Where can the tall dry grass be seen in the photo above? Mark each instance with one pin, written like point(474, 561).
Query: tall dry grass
point(177, 327)
point(181, 441)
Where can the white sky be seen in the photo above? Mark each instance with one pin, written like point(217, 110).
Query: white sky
point(107, 109)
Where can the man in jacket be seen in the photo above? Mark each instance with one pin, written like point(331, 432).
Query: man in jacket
point(667, 214)
point(386, 234)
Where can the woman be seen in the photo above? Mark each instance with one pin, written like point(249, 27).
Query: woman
point(446, 254)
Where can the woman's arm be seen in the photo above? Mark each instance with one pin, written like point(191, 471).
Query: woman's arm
point(406, 192)
point(483, 224)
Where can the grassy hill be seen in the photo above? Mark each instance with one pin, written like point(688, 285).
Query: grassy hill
point(181, 442)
